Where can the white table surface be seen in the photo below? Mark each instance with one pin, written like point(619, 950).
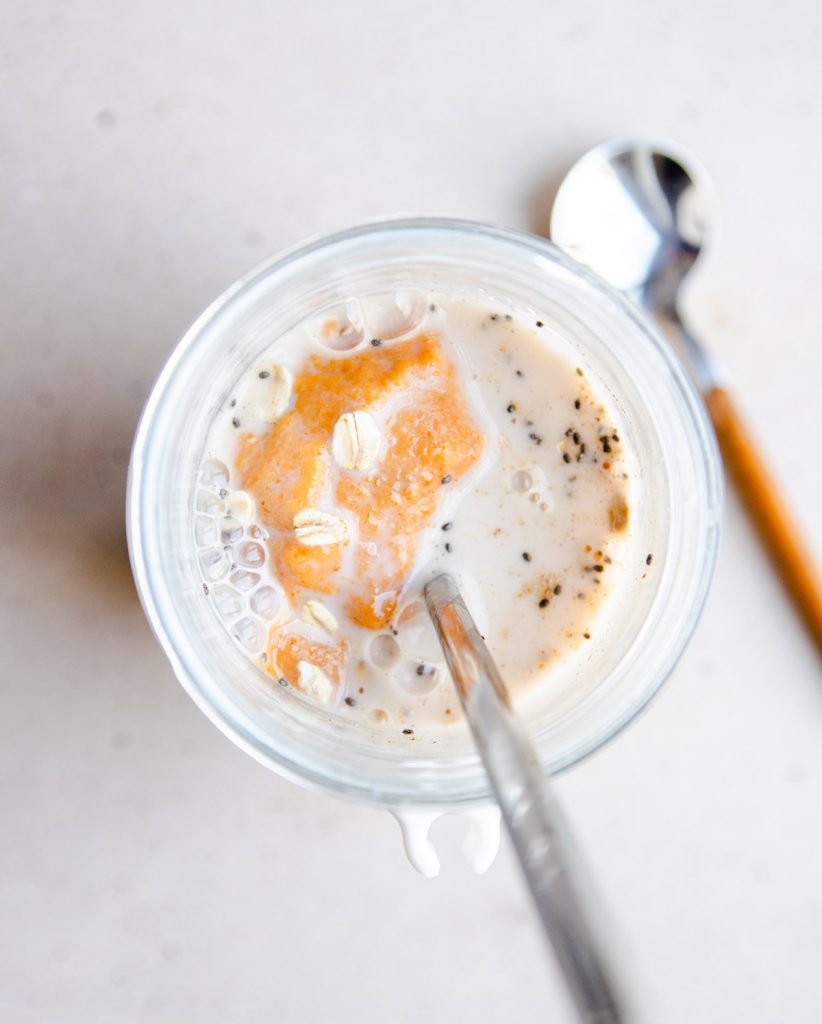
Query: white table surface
point(149, 154)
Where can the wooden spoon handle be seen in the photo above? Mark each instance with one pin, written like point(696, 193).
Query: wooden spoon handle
point(791, 555)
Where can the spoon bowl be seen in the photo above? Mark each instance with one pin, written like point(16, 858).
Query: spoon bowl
point(635, 211)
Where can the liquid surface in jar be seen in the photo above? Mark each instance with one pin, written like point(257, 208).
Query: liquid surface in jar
point(372, 447)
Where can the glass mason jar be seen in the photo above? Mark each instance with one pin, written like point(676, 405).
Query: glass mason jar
point(640, 637)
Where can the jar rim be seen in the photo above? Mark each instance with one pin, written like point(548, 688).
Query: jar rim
point(156, 599)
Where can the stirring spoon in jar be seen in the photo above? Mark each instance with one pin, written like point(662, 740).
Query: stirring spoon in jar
point(635, 212)
point(535, 823)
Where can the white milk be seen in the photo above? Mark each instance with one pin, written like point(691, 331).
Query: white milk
point(535, 537)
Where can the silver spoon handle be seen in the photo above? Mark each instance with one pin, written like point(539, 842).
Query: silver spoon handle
point(541, 839)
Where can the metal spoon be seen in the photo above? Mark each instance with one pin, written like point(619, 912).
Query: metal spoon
point(552, 868)
point(636, 211)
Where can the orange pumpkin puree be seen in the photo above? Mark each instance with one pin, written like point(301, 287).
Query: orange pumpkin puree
point(429, 433)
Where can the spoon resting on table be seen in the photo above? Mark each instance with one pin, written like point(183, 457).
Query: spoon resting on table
point(635, 212)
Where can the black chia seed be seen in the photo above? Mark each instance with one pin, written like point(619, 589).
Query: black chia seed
point(408, 732)
point(536, 438)
point(446, 479)
point(205, 589)
point(448, 547)
point(540, 323)
point(557, 589)
point(511, 407)
point(376, 342)
point(263, 374)
point(350, 701)
point(544, 602)
point(526, 556)
point(235, 422)
point(577, 403)
point(566, 457)
point(648, 561)
point(447, 526)
point(282, 681)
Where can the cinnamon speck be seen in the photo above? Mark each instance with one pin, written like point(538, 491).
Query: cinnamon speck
point(618, 514)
